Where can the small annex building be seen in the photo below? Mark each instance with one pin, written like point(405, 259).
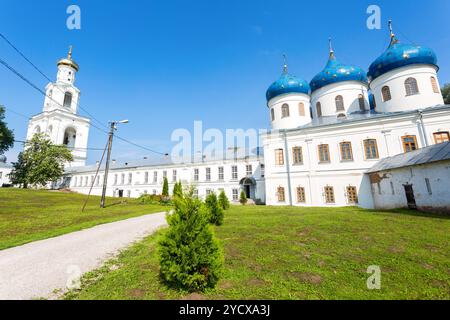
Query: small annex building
point(415, 180)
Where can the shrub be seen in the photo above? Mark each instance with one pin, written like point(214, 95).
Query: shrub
point(149, 199)
point(215, 211)
point(224, 203)
point(165, 190)
point(243, 198)
point(190, 255)
point(178, 190)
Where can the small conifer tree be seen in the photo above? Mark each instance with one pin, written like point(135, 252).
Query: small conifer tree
point(243, 198)
point(191, 257)
point(224, 203)
point(165, 190)
point(215, 211)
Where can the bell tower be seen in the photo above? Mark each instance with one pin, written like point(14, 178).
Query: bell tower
point(59, 118)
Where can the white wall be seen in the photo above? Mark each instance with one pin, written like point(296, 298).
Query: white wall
point(294, 120)
point(185, 174)
point(438, 174)
point(395, 79)
point(58, 121)
point(314, 176)
point(4, 175)
point(349, 90)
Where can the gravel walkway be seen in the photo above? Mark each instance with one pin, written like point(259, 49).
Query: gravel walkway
point(37, 269)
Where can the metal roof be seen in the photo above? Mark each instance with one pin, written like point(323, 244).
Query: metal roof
point(153, 162)
point(434, 153)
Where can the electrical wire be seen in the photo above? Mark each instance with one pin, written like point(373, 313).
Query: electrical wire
point(42, 92)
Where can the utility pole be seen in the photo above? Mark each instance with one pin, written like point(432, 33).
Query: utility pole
point(108, 158)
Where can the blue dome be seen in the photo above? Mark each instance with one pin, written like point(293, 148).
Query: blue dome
point(400, 55)
point(287, 84)
point(335, 72)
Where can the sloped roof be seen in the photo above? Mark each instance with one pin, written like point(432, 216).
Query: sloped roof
point(434, 153)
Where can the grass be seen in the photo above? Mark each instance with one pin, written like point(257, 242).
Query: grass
point(299, 253)
point(30, 215)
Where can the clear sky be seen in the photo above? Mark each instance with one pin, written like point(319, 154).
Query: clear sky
point(165, 64)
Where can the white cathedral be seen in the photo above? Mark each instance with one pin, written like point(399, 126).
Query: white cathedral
point(326, 135)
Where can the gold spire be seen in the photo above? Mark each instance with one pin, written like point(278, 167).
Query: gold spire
point(68, 61)
point(69, 55)
point(392, 34)
point(331, 49)
point(285, 66)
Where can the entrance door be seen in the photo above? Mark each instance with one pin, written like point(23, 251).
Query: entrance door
point(410, 198)
point(247, 191)
point(120, 193)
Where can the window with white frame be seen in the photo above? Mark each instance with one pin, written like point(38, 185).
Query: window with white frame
point(155, 176)
point(146, 178)
point(234, 172)
point(221, 174)
point(208, 174)
point(122, 180)
point(196, 174)
point(263, 171)
point(164, 174)
point(249, 169)
point(130, 178)
point(235, 194)
point(174, 175)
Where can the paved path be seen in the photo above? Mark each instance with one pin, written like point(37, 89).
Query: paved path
point(36, 269)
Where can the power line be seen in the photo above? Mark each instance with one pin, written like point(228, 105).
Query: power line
point(46, 77)
point(17, 73)
point(71, 148)
point(23, 56)
point(15, 112)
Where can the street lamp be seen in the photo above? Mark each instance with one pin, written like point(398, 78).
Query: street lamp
point(110, 141)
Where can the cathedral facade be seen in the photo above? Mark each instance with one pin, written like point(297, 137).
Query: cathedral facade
point(326, 134)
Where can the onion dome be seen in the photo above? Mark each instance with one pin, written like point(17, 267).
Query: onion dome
point(335, 72)
point(68, 61)
point(287, 84)
point(400, 55)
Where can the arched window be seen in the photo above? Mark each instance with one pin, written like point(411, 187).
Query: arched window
point(67, 100)
point(70, 136)
point(339, 103)
point(362, 102)
point(386, 93)
point(37, 130)
point(319, 109)
point(301, 109)
point(285, 111)
point(434, 85)
point(411, 87)
point(272, 114)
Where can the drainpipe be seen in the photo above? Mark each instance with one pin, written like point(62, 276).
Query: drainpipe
point(422, 125)
point(308, 142)
point(288, 168)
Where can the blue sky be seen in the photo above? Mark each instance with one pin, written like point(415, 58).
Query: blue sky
point(165, 64)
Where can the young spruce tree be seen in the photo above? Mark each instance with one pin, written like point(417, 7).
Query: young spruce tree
point(216, 214)
point(224, 203)
point(165, 190)
point(191, 257)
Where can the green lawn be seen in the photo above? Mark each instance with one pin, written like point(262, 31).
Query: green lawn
point(29, 215)
point(296, 253)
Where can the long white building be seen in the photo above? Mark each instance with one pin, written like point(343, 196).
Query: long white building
point(326, 134)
